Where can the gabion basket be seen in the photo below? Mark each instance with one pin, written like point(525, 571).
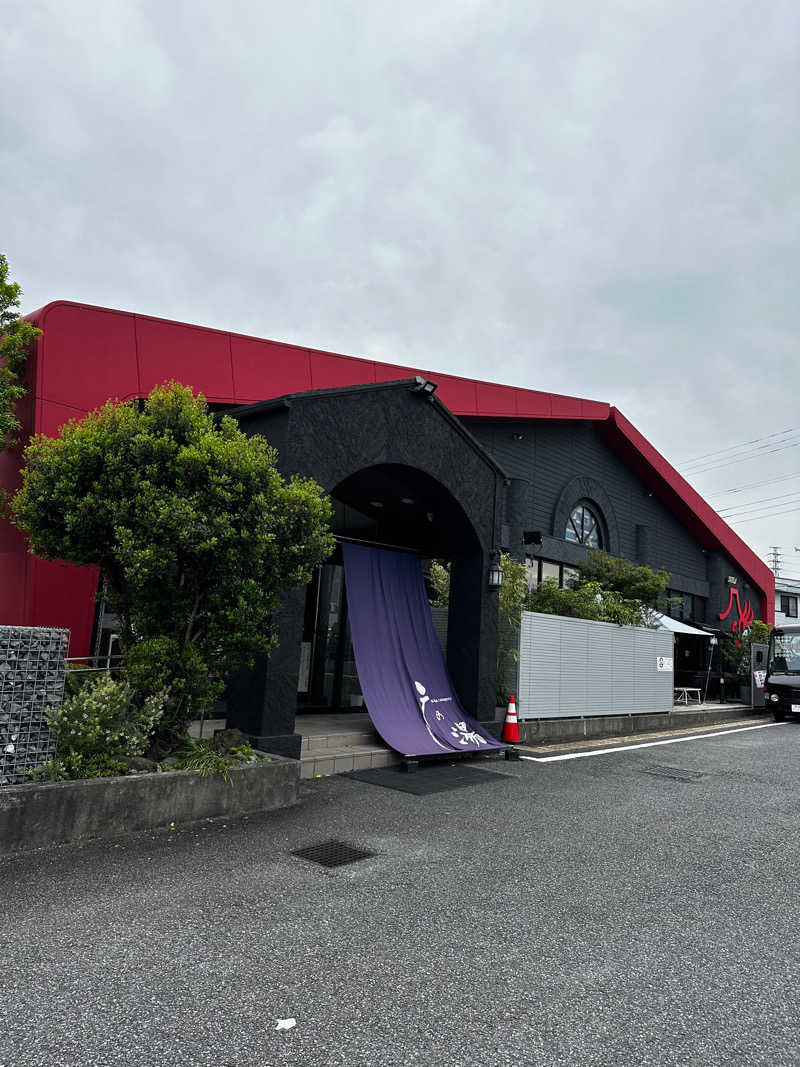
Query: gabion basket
point(33, 664)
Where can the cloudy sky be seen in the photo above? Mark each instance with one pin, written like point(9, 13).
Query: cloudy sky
point(599, 199)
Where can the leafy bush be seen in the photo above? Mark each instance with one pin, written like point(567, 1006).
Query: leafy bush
point(589, 601)
point(103, 720)
point(72, 765)
point(199, 754)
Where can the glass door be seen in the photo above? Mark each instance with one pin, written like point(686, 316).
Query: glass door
point(328, 676)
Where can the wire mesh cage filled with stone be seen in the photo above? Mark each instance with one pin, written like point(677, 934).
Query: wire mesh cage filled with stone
point(33, 663)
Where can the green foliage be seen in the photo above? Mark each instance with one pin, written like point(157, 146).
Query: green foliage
point(16, 338)
point(737, 657)
point(102, 719)
point(73, 765)
point(192, 527)
point(440, 580)
point(620, 576)
point(588, 601)
point(199, 755)
point(512, 597)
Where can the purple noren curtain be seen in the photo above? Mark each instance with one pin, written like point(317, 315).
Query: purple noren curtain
point(400, 664)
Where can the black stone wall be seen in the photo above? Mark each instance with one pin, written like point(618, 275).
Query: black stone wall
point(565, 461)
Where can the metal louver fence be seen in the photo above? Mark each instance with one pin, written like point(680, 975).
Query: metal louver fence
point(572, 668)
point(33, 663)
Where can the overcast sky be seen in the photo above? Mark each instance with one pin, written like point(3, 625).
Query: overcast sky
point(598, 199)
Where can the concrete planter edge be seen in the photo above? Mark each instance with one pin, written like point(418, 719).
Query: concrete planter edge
point(38, 814)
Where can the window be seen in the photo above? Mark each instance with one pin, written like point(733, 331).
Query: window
point(542, 570)
point(789, 606)
point(551, 571)
point(692, 608)
point(583, 527)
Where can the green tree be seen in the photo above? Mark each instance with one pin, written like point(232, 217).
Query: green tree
point(192, 527)
point(440, 580)
point(620, 576)
point(16, 337)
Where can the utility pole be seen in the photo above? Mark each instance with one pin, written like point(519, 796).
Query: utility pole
point(775, 560)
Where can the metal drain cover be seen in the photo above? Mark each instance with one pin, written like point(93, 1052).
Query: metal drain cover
point(332, 854)
point(678, 774)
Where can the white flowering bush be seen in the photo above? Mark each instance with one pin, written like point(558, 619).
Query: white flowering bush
point(101, 719)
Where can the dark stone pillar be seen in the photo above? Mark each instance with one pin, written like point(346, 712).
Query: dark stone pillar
point(262, 702)
point(472, 634)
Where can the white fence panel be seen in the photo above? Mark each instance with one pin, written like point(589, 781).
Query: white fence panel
point(572, 668)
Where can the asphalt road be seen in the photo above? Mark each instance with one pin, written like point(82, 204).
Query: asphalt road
point(585, 912)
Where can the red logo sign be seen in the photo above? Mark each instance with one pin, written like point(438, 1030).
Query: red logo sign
point(745, 616)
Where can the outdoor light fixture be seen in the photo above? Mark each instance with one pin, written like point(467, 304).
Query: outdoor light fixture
point(422, 385)
point(517, 436)
point(495, 572)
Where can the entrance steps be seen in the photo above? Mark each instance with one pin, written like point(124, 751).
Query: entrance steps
point(334, 744)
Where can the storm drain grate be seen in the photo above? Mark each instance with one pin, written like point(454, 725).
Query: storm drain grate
point(332, 854)
point(678, 774)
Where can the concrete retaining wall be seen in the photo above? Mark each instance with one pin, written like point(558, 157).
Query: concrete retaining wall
point(542, 731)
point(36, 815)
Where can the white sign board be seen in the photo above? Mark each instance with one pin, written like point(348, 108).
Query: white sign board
point(664, 663)
point(760, 678)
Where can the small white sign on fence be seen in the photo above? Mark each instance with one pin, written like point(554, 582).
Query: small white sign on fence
point(663, 663)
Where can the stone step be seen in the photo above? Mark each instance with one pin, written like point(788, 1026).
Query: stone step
point(340, 760)
point(339, 741)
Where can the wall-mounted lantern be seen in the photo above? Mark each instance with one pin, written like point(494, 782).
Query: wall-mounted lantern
point(495, 572)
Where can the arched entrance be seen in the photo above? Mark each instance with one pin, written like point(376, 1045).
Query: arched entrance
point(402, 472)
point(386, 505)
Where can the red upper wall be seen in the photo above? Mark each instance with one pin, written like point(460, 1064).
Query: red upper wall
point(88, 354)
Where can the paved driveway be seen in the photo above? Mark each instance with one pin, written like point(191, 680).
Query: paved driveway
point(592, 911)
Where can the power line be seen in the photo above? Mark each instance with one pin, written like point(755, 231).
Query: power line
point(754, 503)
point(766, 515)
point(730, 448)
point(753, 485)
point(759, 450)
point(744, 459)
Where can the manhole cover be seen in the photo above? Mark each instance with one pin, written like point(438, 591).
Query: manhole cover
point(676, 773)
point(332, 854)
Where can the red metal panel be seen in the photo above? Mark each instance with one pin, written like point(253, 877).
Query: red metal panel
point(63, 595)
point(496, 399)
point(594, 410)
point(392, 372)
point(533, 404)
point(51, 417)
point(264, 369)
point(328, 372)
point(14, 571)
point(86, 356)
point(457, 393)
point(566, 407)
point(197, 357)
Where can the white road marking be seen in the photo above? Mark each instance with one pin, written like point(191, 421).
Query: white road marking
point(647, 744)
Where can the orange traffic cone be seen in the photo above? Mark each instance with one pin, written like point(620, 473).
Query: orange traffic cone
point(511, 726)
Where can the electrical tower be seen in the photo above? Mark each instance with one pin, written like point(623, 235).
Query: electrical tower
point(775, 559)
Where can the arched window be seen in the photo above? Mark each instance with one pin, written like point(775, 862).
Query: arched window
point(583, 527)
